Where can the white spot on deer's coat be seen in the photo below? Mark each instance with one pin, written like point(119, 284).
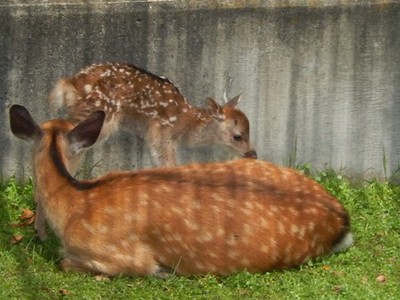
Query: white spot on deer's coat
point(270, 214)
point(220, 232)
point(191, 225)
point(312, 211)
point(177, 238)
point(133, 237)
point(109, 210)
point(302, 232)
point(173, 119)
point(294, 212)
point(248, 204)
point(233, 254)
point(110, 248)
point(178, 210)
point(167, 227)
point(281, 228)
point(230, 214)
point(88, 226)
point(275, 209)
point(294, 229)
point(311, 226)
point(258, 205)
point(87, 88)
point(263, 222)
point(106, 74)
point(165, 122)
point(247, 229)
point(232, 240)
point(102, 229)
point(264, 248)
point(204, 237)
point(246, 211)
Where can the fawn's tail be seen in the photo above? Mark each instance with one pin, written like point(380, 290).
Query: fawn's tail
point(63, 94)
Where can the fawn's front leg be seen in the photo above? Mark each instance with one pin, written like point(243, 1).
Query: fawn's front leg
point(161, 145)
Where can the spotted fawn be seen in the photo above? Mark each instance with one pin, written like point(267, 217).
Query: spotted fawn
point(152, 108)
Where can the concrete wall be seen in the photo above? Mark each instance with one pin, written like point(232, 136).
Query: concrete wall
point(319, 79)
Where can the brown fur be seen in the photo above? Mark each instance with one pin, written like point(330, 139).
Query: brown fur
point(214, 218)
point(153, 108)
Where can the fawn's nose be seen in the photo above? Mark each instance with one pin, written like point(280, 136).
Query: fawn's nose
point(250, 154)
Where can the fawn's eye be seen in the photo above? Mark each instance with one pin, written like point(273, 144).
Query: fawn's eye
point(237, 137)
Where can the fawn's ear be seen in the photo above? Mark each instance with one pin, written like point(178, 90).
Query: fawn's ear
point(22, 124)
point(215, 110)
point(85, 134)
point(234, 101)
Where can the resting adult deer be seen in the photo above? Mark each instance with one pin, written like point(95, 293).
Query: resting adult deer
point(153, 108)
point(214, 218)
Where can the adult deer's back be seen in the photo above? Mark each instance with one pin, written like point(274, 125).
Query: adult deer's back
point(215, 218)
point(153, 108)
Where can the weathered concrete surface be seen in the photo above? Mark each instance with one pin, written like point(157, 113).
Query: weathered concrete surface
point(319, 79)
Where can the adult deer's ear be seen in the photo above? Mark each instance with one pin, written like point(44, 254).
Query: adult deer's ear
point(86, 133)
point(22, 124)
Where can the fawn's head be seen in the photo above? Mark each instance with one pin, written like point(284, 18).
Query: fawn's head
point(233, 126)
point(70, 140)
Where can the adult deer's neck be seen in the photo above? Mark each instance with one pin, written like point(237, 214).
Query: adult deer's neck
point(56, 188)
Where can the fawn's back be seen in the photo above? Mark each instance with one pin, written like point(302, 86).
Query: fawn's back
point(126, 93)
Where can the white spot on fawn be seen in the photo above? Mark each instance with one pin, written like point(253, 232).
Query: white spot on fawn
point(87, 88)
point(107, 73)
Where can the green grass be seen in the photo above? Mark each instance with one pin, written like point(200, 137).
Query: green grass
point(29, 269)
